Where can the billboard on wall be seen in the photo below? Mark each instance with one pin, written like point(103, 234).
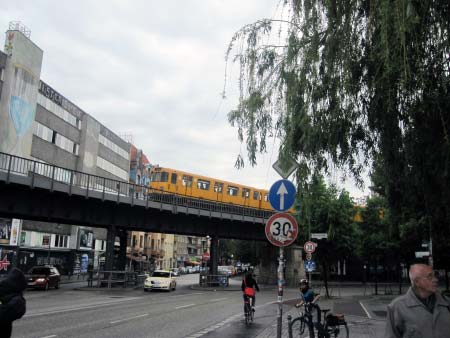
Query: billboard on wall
point(19, 93)
point(9, 231)
point(86, 239)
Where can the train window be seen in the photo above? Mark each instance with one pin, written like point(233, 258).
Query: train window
point(173, 178)
point(218, 187)
point(164, 176)
point(203, 185)
point(245, 192)
point(187, 181)
point(232, 191)
point(156, 176)
point(266, 198)
point(256, 195)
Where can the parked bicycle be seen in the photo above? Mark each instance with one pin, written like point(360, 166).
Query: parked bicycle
point(304, 325)
point(248, 311)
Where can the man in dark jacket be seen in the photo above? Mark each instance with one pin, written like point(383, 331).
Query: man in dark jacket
point(12, 303)
point(249, 282)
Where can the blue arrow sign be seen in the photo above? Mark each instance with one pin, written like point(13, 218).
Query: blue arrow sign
point(310, 266)
point(282, 195)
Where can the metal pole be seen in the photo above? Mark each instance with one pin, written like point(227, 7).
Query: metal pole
point(280, 292)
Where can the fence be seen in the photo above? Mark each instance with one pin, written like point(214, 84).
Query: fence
point(11, 164)
point(122, 278)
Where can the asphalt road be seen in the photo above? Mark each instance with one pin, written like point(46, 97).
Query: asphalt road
point(118, 313)
point(186, 312)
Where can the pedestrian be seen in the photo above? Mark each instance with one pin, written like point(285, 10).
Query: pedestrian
point(13, 305)
point(422, 312)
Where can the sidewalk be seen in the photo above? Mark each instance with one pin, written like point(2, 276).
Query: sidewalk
point(359, 326)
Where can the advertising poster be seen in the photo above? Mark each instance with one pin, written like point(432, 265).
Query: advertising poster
point(15, 231)
point(5, 231)
point(86, 239)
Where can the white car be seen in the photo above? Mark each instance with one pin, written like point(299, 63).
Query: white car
point(160, 280)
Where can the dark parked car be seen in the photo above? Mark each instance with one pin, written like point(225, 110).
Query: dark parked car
point(43, 277)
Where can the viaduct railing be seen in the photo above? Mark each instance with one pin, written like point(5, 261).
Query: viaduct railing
point(101, 187)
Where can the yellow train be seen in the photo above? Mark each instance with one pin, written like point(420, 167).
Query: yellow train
point(197, 186)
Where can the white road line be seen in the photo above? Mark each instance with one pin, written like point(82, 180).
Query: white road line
point(53, 335)
point(365, 310)
point(188, 294)
point(184, 306)
point(77, 308)
point(130, 318)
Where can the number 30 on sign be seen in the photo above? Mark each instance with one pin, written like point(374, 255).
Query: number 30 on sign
point(281, 229)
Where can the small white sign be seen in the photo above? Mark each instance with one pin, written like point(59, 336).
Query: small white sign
point(320, 235)
point(421, 254)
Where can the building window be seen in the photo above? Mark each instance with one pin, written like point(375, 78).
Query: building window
point(46, 240)
point(61, 241)
point(57, 110)
point(111, 168)
point(52, 136)
point(114, 147)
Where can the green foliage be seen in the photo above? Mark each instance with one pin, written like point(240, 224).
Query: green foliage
point(356, 83)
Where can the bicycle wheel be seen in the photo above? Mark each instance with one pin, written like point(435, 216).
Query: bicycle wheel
point(247, 313)
point(300, 328)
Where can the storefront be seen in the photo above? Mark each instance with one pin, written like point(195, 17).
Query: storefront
point(9, 240)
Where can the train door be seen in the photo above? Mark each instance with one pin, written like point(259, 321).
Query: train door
point(187, 185)
point(256, 201)
point(173, 182)
point(246, 197)
point(218, 190)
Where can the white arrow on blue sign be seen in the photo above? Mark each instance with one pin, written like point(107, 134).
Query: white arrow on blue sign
point(310, 266)
point(282, 195)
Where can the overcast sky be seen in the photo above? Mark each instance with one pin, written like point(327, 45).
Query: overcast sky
point(155, 70)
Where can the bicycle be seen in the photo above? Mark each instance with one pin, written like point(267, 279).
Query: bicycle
point(329, 328)
point(304, 320)
point(248, 311)
point(332, 326)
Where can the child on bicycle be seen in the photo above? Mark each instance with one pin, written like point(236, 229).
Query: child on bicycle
point(248, 288)
point(307, 295)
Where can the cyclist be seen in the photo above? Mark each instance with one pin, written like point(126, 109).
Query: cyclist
point(248, 288)
point(307, 295)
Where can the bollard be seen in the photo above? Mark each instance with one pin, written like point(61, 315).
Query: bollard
point(289, 319)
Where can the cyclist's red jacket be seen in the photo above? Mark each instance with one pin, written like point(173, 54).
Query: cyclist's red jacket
point(249, 282)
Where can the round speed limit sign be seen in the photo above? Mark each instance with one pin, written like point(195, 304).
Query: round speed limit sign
point(281, 229)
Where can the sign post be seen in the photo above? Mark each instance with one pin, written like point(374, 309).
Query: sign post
point(281, 230)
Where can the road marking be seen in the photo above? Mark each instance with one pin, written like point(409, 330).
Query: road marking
point(184, 306)
point(130, 318)
point(53, 335)
point(78, 308)
point(365, 310)
point(188, 294)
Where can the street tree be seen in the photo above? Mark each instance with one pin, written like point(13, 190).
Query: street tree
point(345, 83)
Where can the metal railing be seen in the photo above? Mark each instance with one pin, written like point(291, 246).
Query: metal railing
point(15, 165)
